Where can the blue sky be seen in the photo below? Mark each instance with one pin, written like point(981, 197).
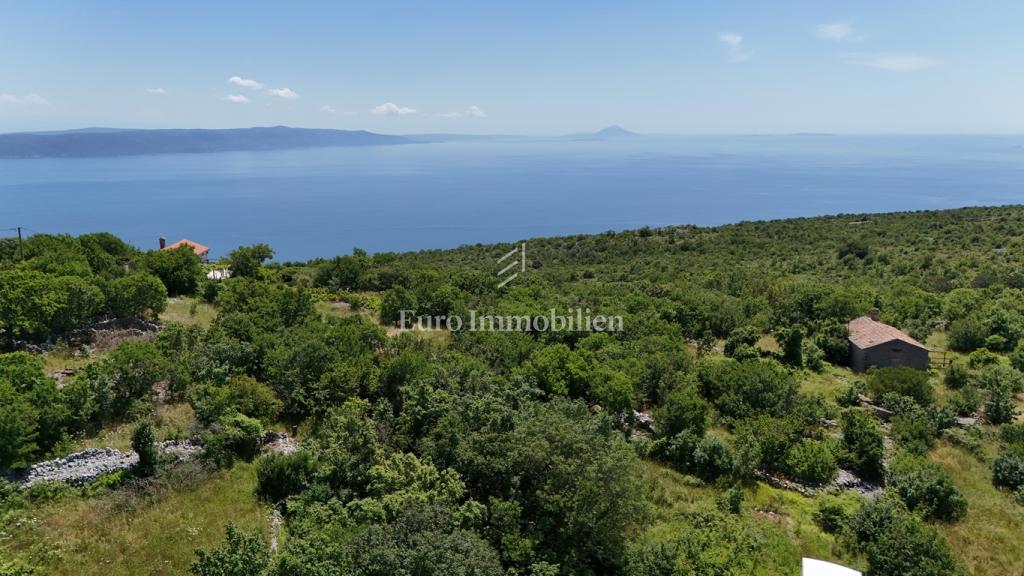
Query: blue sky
point(516, 67)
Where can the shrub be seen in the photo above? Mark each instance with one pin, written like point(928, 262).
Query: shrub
point(1001, 407)
point(1008, 469)
point(1017, 357)
point(982, 357)
point(242, 555)
point(926, 488)
point(915, 431)
point(18, 428)
point(957, 376)
point(967, 334)
point(143, 443)
point(863, 443)
point(901, 380)
point(240, 394)
point(1012, 434)
point(712, 458)
point(1000, 375)
point(812, 461)
point(683, 409)
point(898, 543)
point(236, 435)
point(279, 476)
point(831, 515)
point(965, 401)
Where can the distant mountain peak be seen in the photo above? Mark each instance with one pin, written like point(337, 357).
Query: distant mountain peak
point(613, 131)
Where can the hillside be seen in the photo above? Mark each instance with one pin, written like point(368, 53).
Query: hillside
point(719, 432)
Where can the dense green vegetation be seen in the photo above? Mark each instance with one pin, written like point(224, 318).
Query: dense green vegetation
point(477, 452)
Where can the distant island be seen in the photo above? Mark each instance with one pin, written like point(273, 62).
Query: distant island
point(98, 142)
point(101, 142)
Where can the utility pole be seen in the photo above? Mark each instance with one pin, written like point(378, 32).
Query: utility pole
point(21, 247)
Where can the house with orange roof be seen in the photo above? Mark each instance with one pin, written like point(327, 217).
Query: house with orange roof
point(874, 343)
point(202, 251)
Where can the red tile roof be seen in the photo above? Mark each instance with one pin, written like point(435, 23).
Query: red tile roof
point(197, 247)
point(865, 333)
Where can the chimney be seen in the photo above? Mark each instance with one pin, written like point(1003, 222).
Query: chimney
point(163, 242)
point(874, 314)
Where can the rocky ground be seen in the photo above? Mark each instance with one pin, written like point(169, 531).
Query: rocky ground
point(83, 467)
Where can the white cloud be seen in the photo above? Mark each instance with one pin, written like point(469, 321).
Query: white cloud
point(392, 109)
point(471, 112)
point(26, 100)
point(328, 109)
point(156, 90)
point(837, 32)
point(734, 43)
point(286, 93)
point(247, 83)
point(236, 98)
point(894, 61)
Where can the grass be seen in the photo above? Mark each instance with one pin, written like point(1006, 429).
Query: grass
point(190, 311)
point(128, 532)
point(783, 518)
point(171, 421)
point(987, 540)
point(827, 384)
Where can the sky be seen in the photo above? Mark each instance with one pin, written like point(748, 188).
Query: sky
point(525, 67)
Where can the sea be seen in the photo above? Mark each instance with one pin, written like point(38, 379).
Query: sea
point(322, 202)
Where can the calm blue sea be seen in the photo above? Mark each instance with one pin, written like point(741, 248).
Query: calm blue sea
point(324, 202)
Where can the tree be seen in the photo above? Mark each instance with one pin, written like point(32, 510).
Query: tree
point(683, 409)
point(135, 294)
point(245, 261)
point(863, 443)
point(1008, 469)
point(926, 488)
point(899, 543)
point(957, 376)
point(143, 443)
point(394, 301)
point(243, 554)
point(179, 269)
point(279, 476)
point(1001, 407)
point(18, 428)
point(967, 334)
point(901, 380)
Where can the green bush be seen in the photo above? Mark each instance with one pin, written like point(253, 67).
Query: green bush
point(926, 488)
point(967, 334)
point(898, 543)
point(863, 443)
point(234, 436)
point(240, 394)
point(712, 458)
point(243, 554)
point(1008, 469)
point(902, 380)
point(1012, 434)
point(914, 431)
point(144, 444)
point(279, 476)
point(957, 376)
point(831, 515)
point(812, 461)
point(683, 409)
point(1001, 406)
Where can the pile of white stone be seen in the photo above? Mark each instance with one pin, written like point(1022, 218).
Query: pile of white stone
point(80, 467)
